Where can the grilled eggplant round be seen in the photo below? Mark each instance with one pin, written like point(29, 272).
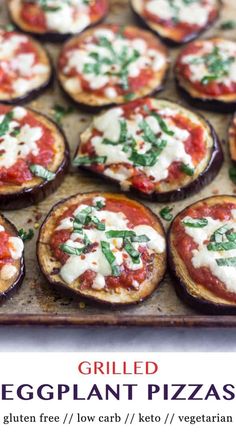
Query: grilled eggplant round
point(232, 139)
point(178, 21)
point(12, 267)
point(155, 147)
point(34, 157)
point(202, 254)
point(205, 74)
point(55, 20)
point(25, 68)
point(110, 65)
point(105, 247)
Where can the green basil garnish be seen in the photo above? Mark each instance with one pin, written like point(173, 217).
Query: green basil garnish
point(162, 124)
point(71, 250)
point(150, 157)
point(218, 247)
point(89, 160)
point(195, 223)
point(216, 65)
point(99, 225)
point(232, 173)
point(165, 213)
point(5, 123)
point(60, 112)
point(24, 235)
point(187, 169)
point(133, 253)
point(119, 234)
point(226, 262)
point(140, 239)
point(228, 25)
point(217, 236)
point(110, 257)
point(40, 171)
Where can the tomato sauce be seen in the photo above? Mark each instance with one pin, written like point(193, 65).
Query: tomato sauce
point(195, 146)
point(212, 88)
point(5, 255)
point(19, 173)
point(134, 83)
point(185, 245)
point(7, 74)
point(136, 216)
point(33, 15)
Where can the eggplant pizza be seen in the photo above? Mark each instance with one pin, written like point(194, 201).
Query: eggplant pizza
point(25, 69)
point(156, 147)
point(177, 21)
point(33, 157)
point(202, 254)
point(110, 65)
point(55, 20)
point(12, 268)
point(103, 246)
point(206, 74)
point(232, 138)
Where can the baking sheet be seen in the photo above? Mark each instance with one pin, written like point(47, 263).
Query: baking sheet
point(36, 302)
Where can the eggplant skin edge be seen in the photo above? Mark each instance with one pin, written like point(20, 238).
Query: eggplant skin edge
point(21, 273)
point(201, 305)
point(206, 104)
point(64, 288)
point(53, 37)
point(204, 178)
point(33, 195)
point(171, 42)
point(34, 93)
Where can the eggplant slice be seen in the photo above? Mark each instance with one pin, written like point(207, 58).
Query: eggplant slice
point(26, 69)
point(145, 147)
point(205, 74)
point(53, 21)
point(232, 139)
point(202, 254)
point(12, 273)
point(26, 177)
point(103, 246)
point(110, 65)
point(176, 22)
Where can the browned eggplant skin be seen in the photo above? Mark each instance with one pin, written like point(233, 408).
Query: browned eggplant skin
point(21, 272)
point(206, 176)
point(62, 286)
point(168, 41)
point(200, 304)
point(94, 108)
point(206, 104)
point(232, 139)
point(28, 196)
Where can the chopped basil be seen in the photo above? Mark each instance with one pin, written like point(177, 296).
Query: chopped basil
point(149, 135)
point(119, 234)
point(87, 242)
point(187, 169)
point(60, 112)
point(15, 132)
point(4, 125)
point(71, 250)
point(228, 25)
point(195, 223)
point(150, 157)
point(77, 226)
point(129, 96)
point(217, 66)
point(44, 5)
point(133, 253)
point(162, 124)
point(226, 262)
point(123, 135)
point(110, 257)
point(9, 27)
point(221, 246)
point(231, 235)
point(99, 225)
point(140, 239)
point(24, 235)
point(89, 160)
point(166, 214)
point(99, 205)
point(83, 217)
point(40, 171)
point(232, 173)
point(217, 235)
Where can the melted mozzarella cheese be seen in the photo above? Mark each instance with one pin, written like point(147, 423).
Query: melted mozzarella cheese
point(26, 71)
point(136, 49)
point(71, 16)
point(110, 124)
point(199, 69)
point(7, 272)
point(95, 260)
point(16, 247)
point(191, 13)
point(12, 148)
point(202, 257)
